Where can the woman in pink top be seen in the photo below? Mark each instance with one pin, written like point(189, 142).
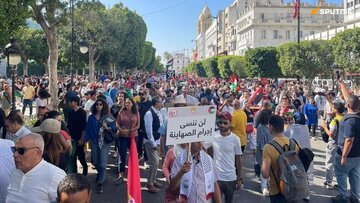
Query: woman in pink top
point(128, 123)
point(173, 152)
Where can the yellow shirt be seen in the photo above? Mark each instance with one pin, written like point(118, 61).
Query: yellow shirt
point(238, 123)
point(271, 154)
point(28, 92)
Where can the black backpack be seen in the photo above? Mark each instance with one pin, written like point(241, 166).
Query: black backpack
point(324, 135)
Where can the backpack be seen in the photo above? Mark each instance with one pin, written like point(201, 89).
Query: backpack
point(292, 183)
point(324, 135)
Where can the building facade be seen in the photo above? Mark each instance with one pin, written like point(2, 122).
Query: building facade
point(247, 24)
point(181, 60)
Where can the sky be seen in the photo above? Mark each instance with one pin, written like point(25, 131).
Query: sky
point(172, 24)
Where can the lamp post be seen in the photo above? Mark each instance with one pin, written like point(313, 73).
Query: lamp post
point(334, 66)
point(13, 57)
point(83, 48)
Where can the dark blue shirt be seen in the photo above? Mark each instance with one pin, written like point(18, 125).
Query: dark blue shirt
point(349, 128)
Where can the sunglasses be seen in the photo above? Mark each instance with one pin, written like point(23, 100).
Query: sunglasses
point(99, 104)
point(223, 122)
point(21, 150)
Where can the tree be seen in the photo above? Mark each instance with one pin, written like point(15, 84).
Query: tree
point(13, 15)
point(347, 49)
point(92, 31)
point(147, 55)
point(49, 14)
point(262, 62)
point(210, 66)
point(158, 67)
point(126, 37)
point(237, 66)
point(33, 47)
point(224, 66)
point(199, 69)
point(309, 58)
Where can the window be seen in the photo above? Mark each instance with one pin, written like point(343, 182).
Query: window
point(275, 34)
point(287, 34)
point(312, 32)
point(177, 61)
point(263, 34)
point(262, 17)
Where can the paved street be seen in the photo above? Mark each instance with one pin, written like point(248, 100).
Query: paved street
point(251, 191)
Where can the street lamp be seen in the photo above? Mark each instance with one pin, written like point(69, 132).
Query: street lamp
point(13, 57)
point(84, 47)
point(334, 66)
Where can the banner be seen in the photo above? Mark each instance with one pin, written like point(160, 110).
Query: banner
point(190, 124)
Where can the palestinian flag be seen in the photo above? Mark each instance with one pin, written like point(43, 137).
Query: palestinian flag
point(234, 82)
point(170, 63)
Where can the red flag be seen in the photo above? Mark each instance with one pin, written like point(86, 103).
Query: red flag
point(233, 78)
point(129, 83)
point(134, 187)
point(296, 9)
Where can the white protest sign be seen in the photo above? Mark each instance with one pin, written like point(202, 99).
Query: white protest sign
point(190, 124)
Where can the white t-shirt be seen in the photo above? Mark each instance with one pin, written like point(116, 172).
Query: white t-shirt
point(7, 165)
point(87, 107)
point(37, 185)
point(225, 149)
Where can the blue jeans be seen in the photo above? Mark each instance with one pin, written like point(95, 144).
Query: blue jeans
point(123, 146)
point(351, 170)
point(99, 158)
point(27, 102)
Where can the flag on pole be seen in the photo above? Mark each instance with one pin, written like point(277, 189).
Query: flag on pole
point(134, 187)
point(296, 9)
point(170, 63)
point(234, 84)
point(233, 78)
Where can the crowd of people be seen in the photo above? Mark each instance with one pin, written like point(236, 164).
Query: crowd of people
point(39, 160)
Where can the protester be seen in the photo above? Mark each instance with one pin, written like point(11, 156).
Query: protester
point(127, 123)
point(333, 131)
point(238, 123)
point(56, 150)
point(226, 152)
point(153, 120)
point(347, 158)
point(99, 122)
point(15, 127)
point(77, 125)
point(263, 137)
point(33, 180)
point(269, 167)
point(28, 92)
point(74, 188)
point(7, 165)
point(311, 115)
point(195, 179)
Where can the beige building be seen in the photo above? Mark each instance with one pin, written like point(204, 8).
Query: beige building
point(249, 24)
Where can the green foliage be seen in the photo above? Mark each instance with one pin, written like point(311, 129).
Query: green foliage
point(200, 70)
point(224, 66)
point(309, 58)
point(13, 14)
point(210, 67)
point(33, 45)
point(158, 66)
point(148, 55)
point(237, 66)
point(262, 62)
point(347, 49)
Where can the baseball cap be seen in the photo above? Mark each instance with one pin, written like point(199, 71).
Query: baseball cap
point(49, 125)
point(225, 115)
